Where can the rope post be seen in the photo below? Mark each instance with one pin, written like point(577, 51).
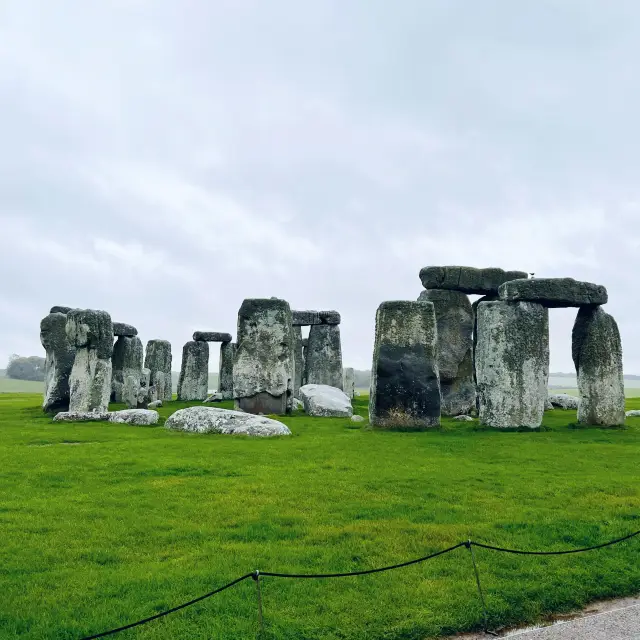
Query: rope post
point(485, 614)
point(256, 578)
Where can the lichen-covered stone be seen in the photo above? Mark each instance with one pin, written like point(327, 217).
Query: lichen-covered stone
point(323, 363)
point(329, 317)
point(597, 355)
point(405, 384)
point(215, 420)
point(305, 318)
point(60, 354)
point(563, 401)
point(554, 292)
point(263, 366)
point(81, 416)
point(225, 370)
point(349, 382)
point(158, 360)
point(512, 363)
point(324, 401)
point(194, 373)
point(126, 370)
point(59, 309)
point(298, 372)
point(463, 418)
point(125, 330)
point(140, 417)
point(357, 418)
point(211, 336)
point(91, 329)
point(454, 318)
point(467, 279)
point(634, 413)
point(155, 404)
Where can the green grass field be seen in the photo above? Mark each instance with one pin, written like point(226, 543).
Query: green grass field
point(104, 524)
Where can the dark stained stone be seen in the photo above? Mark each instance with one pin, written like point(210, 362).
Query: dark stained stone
point(305, 318)
point(212, 336)
point(329, 317)
point(60, 354)
point(124, 330)
point(58, 309)
point(467, 279)
point(554, 292)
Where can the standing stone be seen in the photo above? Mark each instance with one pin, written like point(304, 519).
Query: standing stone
point(454, 317)
point(263, 366)
point(225, 370)
point(158, 360)
point(324, 356)
point(405, 385)
point(298, 372)
point(91, 332)
point(193, 383)
point(512, 363)
point(126, 370)
point(597, 355)
point(305, 348)
point(349, 382)
point(58, 362)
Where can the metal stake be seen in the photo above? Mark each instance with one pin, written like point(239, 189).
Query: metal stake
point(256, 578)
point(485, 614)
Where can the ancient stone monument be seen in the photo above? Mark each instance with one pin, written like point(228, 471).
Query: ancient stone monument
point(225, 364)
point(323, 358)
point(60, 354)
point(126, 369)
point(263, 368)
point(91, 333)
point(349, 382)
point(225, 370)
point(193, 382)
point(298, 364)
point(405, 385)
point(158, 360)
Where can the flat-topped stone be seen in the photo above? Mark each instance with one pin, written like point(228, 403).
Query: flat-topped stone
point(211, 336)
point(81, 416)
point(554, 292)
point(329, 317)
point(305, 318)
point(125, 330)
point(139, 417)
point(58, 309)
point(467, 279)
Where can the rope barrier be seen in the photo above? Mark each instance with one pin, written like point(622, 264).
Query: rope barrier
point(256, 575)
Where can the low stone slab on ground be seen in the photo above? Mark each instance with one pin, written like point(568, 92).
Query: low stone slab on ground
point(81, 416)
point(563, 401)
point(554, 292)
point(211, 336)
point(464, 418)
point(467, 279)
point(140, 417)
point(325, 401)
point(634, 413)
point(357, 418)
point(155, 404)
point(214, 397)
point(225, 421)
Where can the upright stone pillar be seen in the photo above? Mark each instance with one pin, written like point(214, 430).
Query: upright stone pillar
point(91, 332)
point(263, 367)
point(405, 385)
point(512, 363)
point(597, 355)
point(225, 370)
point(305, 348)
point(349, 382)
point(127, 370)
point(298, 372)
point(60, 354)
point(158, 360)
point(193, 383)
point(324, 356)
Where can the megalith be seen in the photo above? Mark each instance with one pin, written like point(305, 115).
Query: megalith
point(349, 382)
point(127, 370)
point(91, 333)
point(454, 318)
point(60, 354)
point(597, 355)
point(298, 373)
point(512, 363)
point(193, 382)
point(305, 347)
point(405, 385)
point(225, 370)
point(158, 360)
point(323, 364)
point(263, 366)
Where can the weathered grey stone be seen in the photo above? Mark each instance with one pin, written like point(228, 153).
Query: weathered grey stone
point(263, 366)
point(81, 416)
point(211, 336)
point(563, 401)
point(324, 401)
point(140, 417)
point(512, 363)
point(405, 385)
point(194, 373)
point(634, 413)
point(126, 370)
point(554, 292)
point(329, 317)
point(158, 360)
point(60, 354)
point(597, 355)
point(298, 372)
point(59, 309)
point(155, 404)
point(454, 317)
point(547, 405)
point(357, 418)
point(323, 363)
point(225, 370)
point(297, 405)
point(463, 418)
point(91, 332)
point(305, 318)
point(467, 279)
point(305, 350)
point(215, 420)
point(124, 330)
point(349, 382)
point(215, 397)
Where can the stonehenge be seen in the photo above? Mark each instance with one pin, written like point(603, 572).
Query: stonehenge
point(298, 361)
point(225, 370)
point(157, 359)
point(127, 370)
point(193, 382)
point(60, 355)
point(468, 279)
point(348, 382)
point(554, 292)
point(211, 336)
point(405, 385)
point(121, 329)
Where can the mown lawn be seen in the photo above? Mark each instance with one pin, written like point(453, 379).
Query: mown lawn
point(101, 525)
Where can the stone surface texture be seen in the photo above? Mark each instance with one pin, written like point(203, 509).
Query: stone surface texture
point(324, 401)
point(463, 418)
point(349, 382)
point(158, 360)
point(329, 317)
point(454, 318)
point(59, 309)
point(193, 382)
point(512, 363)
point(126, 361)
point(297, 360)
point(225, 370)
point(140, 417)
point(563, 401)
point(212, 336)
point(60, 355)
point(263, 365)
point(305, 318)
point(597, 355)
point(155, 404)
point(405, 383)
point(215, 420)
point(81, 416)
point(467, 279)
point(323, 362)
point(125, 330)
point(554, 292)
point(357, 418)
point(634, 413)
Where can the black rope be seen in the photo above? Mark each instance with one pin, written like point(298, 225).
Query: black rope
point(168, 611)
point(555, 553)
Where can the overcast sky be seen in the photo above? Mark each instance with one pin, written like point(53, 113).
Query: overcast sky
point(163, 160)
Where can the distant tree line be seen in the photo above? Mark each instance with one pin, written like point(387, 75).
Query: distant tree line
point(25, 368)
